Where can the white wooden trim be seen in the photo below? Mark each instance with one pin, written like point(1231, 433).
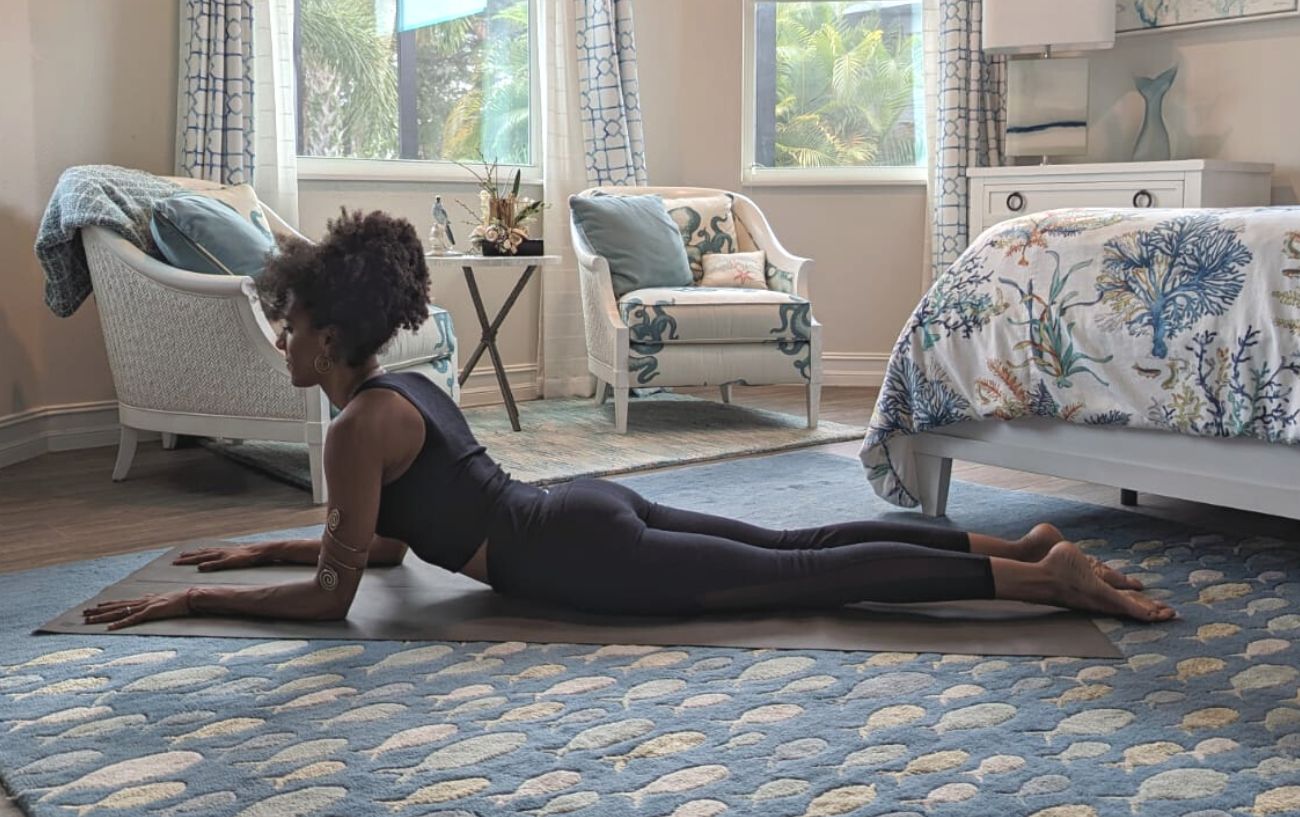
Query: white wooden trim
point(1237, 473)
point(482, 390)
point(315, 168)
point(757, 176)
point(854, 368)
point(74, 426)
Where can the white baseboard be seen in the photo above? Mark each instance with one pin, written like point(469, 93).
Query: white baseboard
point(59, 428)
point(70, 427)
point(854, 368)
point(482, 389)
point(92, 425)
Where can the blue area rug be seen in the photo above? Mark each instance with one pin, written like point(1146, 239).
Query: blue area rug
point(1201, 717)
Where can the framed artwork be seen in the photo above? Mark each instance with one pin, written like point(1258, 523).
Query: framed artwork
point(1150, 15)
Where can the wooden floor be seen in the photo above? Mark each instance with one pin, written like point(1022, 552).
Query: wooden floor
point(63, 507)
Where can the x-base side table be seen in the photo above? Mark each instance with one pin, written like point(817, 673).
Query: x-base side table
point(488, 342)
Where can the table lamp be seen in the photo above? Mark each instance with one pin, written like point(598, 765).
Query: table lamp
point(1047, 99)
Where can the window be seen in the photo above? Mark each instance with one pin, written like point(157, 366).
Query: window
point(834, 92)
point(405, 88)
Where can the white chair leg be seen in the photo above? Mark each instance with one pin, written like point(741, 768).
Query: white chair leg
point(601, 392)
point(620, 409)
point(169, 441)
point(315, 456)
point(814, 404)
point(932, 476)
point(725, 388)
point(125, 452)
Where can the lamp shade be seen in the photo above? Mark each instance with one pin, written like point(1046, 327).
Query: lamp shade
point(1032, 26)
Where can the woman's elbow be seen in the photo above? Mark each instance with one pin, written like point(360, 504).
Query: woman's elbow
point(331, 608)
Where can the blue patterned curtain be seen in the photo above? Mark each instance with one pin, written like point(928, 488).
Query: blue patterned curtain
point(971, 123)
point(609, 98)
point(214, 137)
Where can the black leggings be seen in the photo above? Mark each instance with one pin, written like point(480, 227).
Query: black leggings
point(601, 547)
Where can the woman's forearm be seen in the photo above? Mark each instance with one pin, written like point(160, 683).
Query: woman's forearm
point(296, 600)
point(293, 551)
point(383, 552)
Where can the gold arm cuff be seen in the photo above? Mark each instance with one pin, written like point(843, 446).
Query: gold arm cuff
point(331, 538)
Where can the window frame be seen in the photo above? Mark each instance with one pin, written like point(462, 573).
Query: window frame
point(328, 168)
point(754, 175)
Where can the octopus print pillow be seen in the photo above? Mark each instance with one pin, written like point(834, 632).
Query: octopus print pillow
point(737, 269)
point(706, 225)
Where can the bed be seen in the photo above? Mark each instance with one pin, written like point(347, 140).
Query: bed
point(1152, 350)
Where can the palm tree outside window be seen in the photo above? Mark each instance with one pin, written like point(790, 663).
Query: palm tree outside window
point(432, 80)
point(834, 87)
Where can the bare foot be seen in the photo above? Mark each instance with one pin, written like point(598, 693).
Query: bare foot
point(1036, 544)
point(1078, 585)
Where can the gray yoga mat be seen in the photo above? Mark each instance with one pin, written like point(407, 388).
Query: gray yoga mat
point(417, 601)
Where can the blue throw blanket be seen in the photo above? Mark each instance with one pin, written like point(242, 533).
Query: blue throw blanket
point(115, 198)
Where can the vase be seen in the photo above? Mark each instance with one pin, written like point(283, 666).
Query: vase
point(1153, 139)
point(529, 246)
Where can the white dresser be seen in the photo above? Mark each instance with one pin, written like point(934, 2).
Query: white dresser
point(1000, 193)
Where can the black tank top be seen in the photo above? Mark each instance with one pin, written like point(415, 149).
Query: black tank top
point(443, 505)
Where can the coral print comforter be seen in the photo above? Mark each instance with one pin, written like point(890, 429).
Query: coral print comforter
point(1183, 320)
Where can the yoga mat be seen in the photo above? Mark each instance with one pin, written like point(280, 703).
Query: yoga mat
point(417, 601)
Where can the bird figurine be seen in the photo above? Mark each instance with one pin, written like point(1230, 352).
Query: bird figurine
point(441, 236)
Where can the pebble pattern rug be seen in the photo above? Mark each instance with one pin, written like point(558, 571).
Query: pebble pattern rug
point(566, 439)
point(1200, 717)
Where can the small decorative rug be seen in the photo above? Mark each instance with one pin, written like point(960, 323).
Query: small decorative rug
point(566, 439)
point(1200, 717)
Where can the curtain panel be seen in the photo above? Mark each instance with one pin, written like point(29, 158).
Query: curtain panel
point(969, 118)
point(214, 110)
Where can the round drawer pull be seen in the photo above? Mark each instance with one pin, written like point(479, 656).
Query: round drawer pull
point(1143, 198)
point(1015, 202)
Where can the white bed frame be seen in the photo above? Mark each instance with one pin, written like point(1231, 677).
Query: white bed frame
point(1248, 474)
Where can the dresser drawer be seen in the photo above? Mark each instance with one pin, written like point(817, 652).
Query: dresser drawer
point(1004, 200)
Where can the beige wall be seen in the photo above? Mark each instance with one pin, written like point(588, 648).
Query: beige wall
point(319, 201)
point(866, 241)
point(85, 83)
point(1236, 96)
point(95, 83)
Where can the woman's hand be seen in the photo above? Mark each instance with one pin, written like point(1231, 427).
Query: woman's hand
point(127, 612)
point(231, 558)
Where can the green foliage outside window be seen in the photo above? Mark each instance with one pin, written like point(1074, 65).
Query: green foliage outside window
point(472, 83)
point(847, 78)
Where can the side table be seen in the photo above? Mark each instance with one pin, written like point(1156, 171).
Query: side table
point(530, 263)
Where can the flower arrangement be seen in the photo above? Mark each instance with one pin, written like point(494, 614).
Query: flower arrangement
point(503, 214)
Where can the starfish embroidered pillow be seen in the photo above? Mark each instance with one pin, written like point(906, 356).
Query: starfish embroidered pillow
point(737, 269)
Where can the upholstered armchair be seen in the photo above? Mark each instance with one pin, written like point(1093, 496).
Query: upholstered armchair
point(192, 353)
point(700, 336)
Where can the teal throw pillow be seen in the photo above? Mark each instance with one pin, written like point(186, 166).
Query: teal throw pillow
point(202, 234)
point(638, 238)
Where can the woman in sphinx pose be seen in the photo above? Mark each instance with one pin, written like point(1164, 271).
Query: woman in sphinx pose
point(405, 472)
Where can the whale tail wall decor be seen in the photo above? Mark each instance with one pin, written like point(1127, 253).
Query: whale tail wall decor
point(1153, 139)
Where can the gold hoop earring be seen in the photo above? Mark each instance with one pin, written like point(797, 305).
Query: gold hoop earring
point(322, 364)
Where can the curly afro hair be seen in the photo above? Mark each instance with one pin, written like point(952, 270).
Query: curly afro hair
point(367, 278)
